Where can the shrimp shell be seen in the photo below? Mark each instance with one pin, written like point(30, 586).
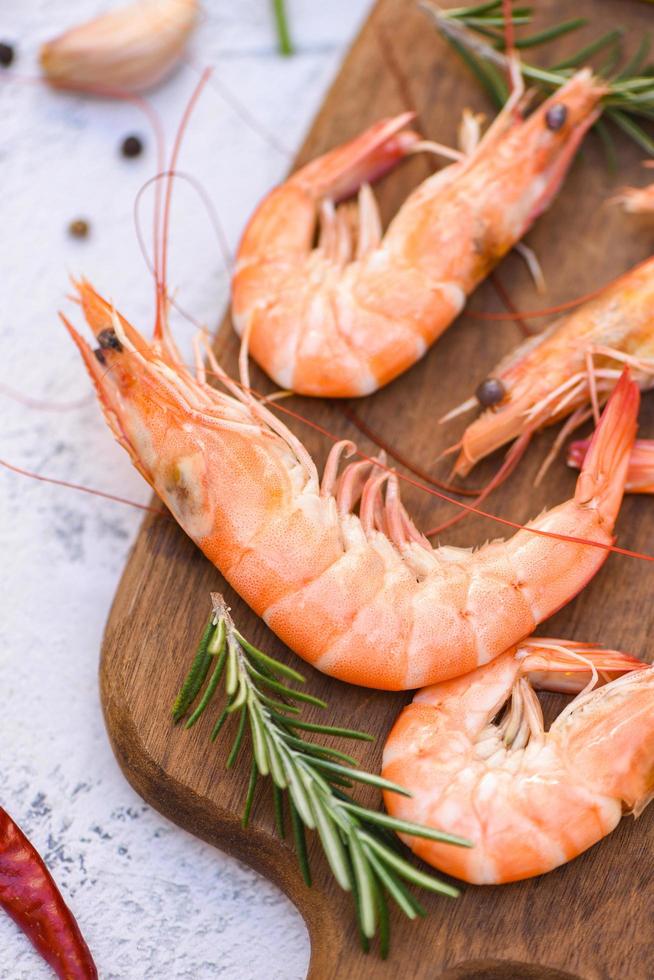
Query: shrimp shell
point(476, 757)
point(363, 597)
point(344, 318)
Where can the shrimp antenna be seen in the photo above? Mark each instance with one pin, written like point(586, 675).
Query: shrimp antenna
point(513, 457)
point(161, 242)
point(214, 219)
point(78, 486)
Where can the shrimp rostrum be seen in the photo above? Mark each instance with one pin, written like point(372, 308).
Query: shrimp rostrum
point(475, 755)
point(362, 596)
point(344, 317)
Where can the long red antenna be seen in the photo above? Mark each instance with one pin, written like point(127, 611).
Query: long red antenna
point(79, 486)
point(161, 249)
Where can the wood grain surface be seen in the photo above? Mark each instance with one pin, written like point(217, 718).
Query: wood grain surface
point(591, 918)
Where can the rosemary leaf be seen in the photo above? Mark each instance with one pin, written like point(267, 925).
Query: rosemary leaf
point(231, 758)
point(258, 739)
point(585, 54)
point(210, 690)
point(274, 665)
point(308, 726)
point(400, 894)
point(635, 63)
point(249, 797)
point(551, 33)
point(482, 72)
point(300, 843)
point(405, 827)
point(278, 705)
point(407, 870)
point(276, 764)
point(278, 803)
point(360, 776)
point(383, 918)
point(310, 748)
point(284, 689)
point(222, 718)
point(331, 842)
point(196, 675)
point(632, 129)
point(365, 886)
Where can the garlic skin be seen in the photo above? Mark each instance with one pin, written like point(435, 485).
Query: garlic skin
point(126, 50)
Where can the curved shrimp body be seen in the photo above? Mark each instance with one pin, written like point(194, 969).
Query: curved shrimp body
point(364, 597)
point(474, 753)
point(556, 373)
point(640, 474)
point(341, 321)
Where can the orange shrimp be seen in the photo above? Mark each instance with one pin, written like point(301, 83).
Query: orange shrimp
point(363, 597)
point(571, 365)
point(640, 474)
point(475, 755)
point(324, 321)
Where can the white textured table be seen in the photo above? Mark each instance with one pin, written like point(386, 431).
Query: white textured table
point(152, 901)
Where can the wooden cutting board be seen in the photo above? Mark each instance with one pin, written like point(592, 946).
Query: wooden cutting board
point(591, 918)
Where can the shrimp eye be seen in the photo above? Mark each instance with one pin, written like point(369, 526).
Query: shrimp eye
point(556, 116)
point(99, 355)
point(490, 392)
point(108, 339)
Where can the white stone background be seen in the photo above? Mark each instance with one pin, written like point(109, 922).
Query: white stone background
point(152, 901)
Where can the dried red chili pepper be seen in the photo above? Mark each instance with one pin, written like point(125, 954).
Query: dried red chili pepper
point(30, 896)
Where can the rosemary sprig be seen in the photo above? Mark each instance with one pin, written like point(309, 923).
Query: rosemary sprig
point(477, 34)
point(363, 855)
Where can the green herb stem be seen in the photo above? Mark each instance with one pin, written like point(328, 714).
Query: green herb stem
point(284, 43)
point(358, 843)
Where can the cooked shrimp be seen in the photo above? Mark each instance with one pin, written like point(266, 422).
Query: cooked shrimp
point(571, 365)
point(640, 474)
point(475, 755)
point(339, 321)
point(363, 597)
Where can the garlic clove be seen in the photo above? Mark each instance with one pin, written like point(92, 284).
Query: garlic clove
point(126, 50)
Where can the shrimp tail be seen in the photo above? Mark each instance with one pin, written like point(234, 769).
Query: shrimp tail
point(339, 173)
point(604, 472)
point(567, 667)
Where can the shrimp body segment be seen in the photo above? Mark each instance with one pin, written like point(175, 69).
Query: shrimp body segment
point(556, 373)
point(362, 596)
point(474, 753)
point(342, 320)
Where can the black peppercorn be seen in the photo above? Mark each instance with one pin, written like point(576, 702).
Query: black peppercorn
point(79, 228)
point(132, 146)
point(7, 54)
point(490, 392)
point(556, 116)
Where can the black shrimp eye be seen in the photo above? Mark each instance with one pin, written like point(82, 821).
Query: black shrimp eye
point(556, 116)
point(99, 354)
point(490, 392)
point(108, 339)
